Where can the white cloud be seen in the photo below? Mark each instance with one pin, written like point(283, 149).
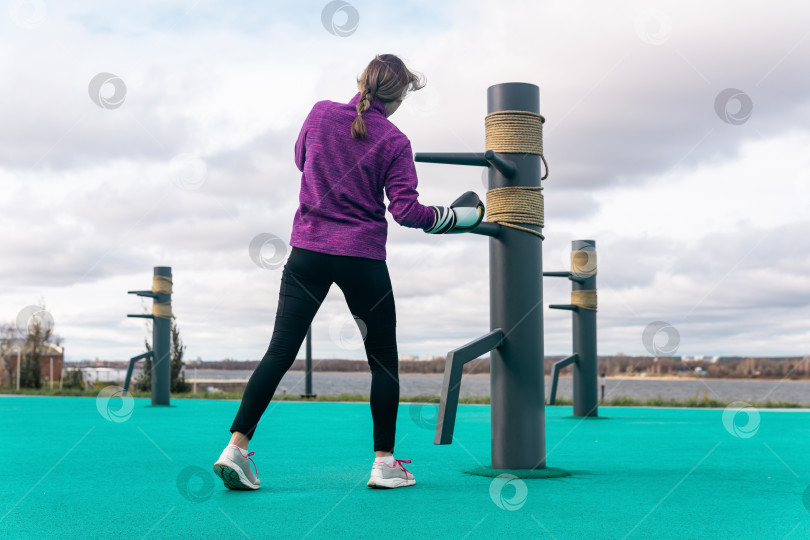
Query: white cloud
point(697, 222)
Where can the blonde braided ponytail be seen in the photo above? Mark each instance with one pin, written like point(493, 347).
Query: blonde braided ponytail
point(387, 79)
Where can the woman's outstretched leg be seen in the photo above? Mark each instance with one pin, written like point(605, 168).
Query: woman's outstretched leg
point(305, 282)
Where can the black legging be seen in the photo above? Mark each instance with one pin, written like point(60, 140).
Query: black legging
point(306, 279)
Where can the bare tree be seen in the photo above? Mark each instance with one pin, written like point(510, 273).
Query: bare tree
point(40, 333)
point(9, 339)
point(34, 340)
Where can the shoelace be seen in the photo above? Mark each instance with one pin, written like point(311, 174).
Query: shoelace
point(400, 463)
point(254, 465)
point(248, 456)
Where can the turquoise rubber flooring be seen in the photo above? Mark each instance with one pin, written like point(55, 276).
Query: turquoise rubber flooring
point(69, 472)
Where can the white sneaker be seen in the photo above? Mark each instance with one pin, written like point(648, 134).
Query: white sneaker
point(390, 476)
point(233, 466)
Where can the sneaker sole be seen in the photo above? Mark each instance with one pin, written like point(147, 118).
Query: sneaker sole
point(389, 483)
point(232, 476)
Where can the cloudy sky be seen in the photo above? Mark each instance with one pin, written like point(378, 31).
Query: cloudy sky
point(677, 138)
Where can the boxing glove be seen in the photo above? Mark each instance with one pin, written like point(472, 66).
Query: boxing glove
point(464, 214)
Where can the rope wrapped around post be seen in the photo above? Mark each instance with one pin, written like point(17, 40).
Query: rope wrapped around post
point(516, 204)
point(583, 263)
point(516, 132)
point(162, 285)
point(162, 310)
point(584, 299)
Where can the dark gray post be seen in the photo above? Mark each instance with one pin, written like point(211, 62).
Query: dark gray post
point(308, 377)
point(516, 298)
point(516, 315)
point(586, 394)
point(308, 366)
point(162, 345)
point(603, 387)
point(161, 316)
point(583, 278)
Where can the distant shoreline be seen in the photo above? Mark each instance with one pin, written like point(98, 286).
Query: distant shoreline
point(202, 372)
point(692, 378)
point(203, 380)
point(611, 377)
point(567, 376)
point(618, 367)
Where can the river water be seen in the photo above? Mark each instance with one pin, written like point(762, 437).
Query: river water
point(331, 383)
point(478, 385)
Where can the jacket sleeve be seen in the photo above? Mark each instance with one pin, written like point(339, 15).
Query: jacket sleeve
point(400, 188)
point(300, 144)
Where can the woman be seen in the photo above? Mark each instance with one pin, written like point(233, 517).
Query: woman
point(349, 154)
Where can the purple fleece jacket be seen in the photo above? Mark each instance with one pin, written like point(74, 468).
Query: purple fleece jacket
point(341, 209)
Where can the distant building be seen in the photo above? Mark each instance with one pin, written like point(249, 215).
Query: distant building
point(421, 358)
point(51, 355)
point(102, 374)
point(701, 358)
